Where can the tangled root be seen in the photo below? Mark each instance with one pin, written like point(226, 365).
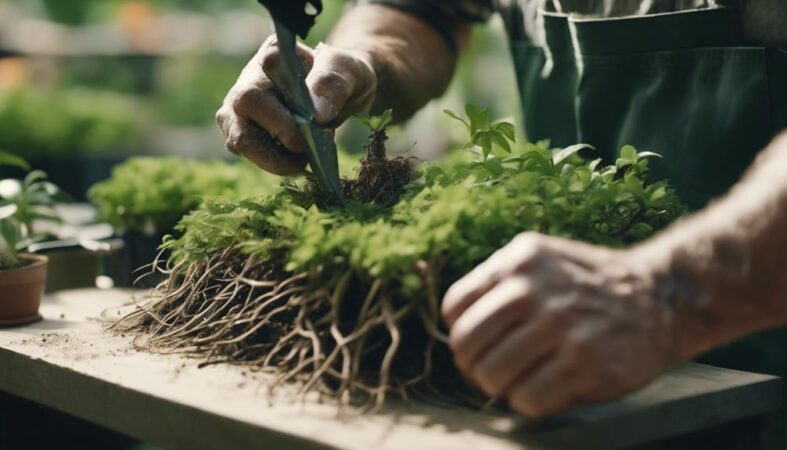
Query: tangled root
point(343, 336)
point(380, 180)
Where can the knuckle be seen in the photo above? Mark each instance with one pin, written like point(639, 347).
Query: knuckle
point(242, 100)
point(488, 381)
point(528, 237)
point(221, 118)
point(530, 247)
point(271, 41)
point(330, 82)
point(270, 59)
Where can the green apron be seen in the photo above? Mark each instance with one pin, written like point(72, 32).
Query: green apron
point(687, 85)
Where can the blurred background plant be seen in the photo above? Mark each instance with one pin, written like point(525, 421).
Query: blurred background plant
point(85, 84)
point(24, 203)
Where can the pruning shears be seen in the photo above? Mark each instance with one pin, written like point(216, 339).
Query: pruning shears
point(291, 18)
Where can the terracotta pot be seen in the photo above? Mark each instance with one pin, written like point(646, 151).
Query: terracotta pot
point(21, 291)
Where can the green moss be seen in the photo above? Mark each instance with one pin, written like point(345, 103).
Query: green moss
point(460, 211)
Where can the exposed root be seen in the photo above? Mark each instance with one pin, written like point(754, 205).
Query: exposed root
point(380, 180)
point(354, 340)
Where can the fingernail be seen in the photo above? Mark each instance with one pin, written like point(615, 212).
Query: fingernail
point(326, 110)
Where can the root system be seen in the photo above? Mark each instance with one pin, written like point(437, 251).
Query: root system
point(346, 337)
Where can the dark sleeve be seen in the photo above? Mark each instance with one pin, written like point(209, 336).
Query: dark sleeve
point(441, 13)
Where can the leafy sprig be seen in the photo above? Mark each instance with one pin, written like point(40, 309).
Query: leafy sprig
point(378, 123)
point(484, 133)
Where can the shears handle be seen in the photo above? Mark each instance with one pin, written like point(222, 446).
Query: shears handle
point(297, 15)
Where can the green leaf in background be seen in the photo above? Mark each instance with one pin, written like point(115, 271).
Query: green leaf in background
point(11, 234)
point(485, 134)
point(9, 159)
point(561, 155)
point(643, 155)
point(8, 211)
point(480, 119)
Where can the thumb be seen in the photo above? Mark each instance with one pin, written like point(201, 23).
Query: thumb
point(341, 83)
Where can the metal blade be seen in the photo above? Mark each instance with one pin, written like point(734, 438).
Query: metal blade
point(320, 148)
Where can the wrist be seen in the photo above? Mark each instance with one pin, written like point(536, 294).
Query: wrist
point(675, 291)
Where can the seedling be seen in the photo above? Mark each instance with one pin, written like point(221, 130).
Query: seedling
point(380, 180)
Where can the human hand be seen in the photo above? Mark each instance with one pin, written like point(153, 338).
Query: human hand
point(549, 324)
point(259, 127)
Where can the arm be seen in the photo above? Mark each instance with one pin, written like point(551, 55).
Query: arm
point(550, 324)
point(725, 269)
point(377, 58)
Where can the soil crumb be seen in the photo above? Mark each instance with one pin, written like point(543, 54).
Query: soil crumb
point(380, 180)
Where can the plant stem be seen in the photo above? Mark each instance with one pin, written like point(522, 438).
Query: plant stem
point(376, 145)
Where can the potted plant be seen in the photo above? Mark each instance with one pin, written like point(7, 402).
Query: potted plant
point(22, 275)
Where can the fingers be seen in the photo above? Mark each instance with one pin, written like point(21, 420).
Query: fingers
point(262, 105)
point(517, 354)
point(341, 83)
point(523, 252)
point(546, 392)
point(487, 320)
point(271, 58)
point(247, 139)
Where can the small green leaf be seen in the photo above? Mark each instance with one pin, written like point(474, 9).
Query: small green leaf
point(628, 153)
point(561, 155)
point(506, 129)
point(8, 211)
point(32, 178)
point(10, 159)
point(379, 123)
point(643, 155)
point(10, 189)
point(480, 119)
point(501, 141)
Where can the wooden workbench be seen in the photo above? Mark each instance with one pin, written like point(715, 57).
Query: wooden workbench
point(68, 363)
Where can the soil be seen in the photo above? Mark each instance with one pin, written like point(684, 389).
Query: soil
point(380, 180)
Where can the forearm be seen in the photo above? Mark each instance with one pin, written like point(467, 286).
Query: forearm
point(725, 269)
point(412, 61)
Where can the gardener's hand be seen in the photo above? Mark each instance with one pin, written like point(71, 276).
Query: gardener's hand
point(260, 128)
point(549, 324)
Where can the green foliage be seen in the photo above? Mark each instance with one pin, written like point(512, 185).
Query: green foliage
point(12, 160)
point(379, 123)
point(43, 124)
point(190, 88)
point(23, 202)
point(458, 212)
point(485, 134)
point(150, 195)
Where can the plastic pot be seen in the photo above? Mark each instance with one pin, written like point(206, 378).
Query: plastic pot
point(21, 291)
